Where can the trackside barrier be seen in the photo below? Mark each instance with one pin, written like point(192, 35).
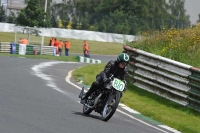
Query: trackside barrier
point(88, 60)
point(29, 50)
point(7, 47)
point(4, 47)
point(22, 49)
point(170, 79)
point(46, 50)
point(13, 48)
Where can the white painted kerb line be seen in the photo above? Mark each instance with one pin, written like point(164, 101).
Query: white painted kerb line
point(37, 70)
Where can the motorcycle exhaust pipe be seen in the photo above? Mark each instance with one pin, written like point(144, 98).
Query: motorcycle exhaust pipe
point(95, 102)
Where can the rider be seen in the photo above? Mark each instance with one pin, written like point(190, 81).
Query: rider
point(118, 68)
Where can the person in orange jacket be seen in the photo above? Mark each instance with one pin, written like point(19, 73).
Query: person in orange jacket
point(56, 44)
point(51, 42)
point(60, 46)
point(25, 41)
point(67, 47)
point(20, 41)
point(85, 49)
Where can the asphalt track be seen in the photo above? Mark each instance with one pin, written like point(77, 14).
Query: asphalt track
point(40, 96)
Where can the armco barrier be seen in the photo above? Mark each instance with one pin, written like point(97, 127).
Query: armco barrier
point(170, 79)
point(5, 47)
point(88, 60)
point(29, 50)
point(46, 50)
point(194, 92)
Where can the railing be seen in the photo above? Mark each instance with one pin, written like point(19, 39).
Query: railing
point(170, 79)
point(46, 50)
point(4, 47)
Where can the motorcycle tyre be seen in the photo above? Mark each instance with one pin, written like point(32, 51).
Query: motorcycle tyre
point(114, 107)
point(88, 111)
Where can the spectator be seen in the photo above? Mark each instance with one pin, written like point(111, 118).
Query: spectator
point(20, 40)
point(60, 46)
point(67, 47)
point(25, 41)
point(56, 44)
point(85, 49)
point(51, 42)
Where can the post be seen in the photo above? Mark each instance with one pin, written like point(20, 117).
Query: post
point(45, 9)
point(15, 35)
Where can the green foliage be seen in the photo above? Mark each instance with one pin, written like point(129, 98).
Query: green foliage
point(182, 45)
point(11, 18)
point(2, 14)
point(33, 15)
point(198, 18)
point(131, 16)
point(112, 16)
point(119, 16)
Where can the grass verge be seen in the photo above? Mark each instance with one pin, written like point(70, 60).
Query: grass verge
point(167, 112)
point(96, 47)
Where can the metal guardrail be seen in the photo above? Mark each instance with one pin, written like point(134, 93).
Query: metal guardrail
point(170, 79)
point(5, 47)
point(46, 50)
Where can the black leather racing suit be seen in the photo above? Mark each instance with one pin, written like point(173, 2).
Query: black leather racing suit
point(112, 67)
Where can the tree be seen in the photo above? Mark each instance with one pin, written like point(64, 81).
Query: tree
point(33, 15)
point(198, 19)
point(63, 11)
point(120, 16)
point(178, 13)
point(11, 18)
point(2, 14)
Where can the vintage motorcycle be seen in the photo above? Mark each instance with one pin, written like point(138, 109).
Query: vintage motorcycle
point(104, 100)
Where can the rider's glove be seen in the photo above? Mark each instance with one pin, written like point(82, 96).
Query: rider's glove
point(125, 85)
point(124, 82)
point(106, 80)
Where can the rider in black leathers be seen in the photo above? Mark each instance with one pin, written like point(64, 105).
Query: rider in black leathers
point(117, 68)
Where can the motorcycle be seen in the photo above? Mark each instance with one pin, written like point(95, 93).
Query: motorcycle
point(104, 100)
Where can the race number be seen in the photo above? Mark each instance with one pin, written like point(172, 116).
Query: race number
point(118, 84)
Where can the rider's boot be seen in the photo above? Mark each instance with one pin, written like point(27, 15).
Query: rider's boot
point(90, 91)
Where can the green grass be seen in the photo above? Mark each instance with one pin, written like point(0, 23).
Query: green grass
point(76, 45)
point(167, 112)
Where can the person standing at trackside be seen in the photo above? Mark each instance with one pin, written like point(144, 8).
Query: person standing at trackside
point(56, 44)
point(67, 47)
point(60, 46)
point(51, 42)
point(85, 48)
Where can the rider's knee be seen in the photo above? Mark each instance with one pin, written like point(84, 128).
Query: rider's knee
point(95, 83)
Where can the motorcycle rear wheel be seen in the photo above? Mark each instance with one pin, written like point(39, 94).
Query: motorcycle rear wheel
point(110, 107)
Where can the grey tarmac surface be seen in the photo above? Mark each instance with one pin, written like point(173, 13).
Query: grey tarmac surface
point(39, 100)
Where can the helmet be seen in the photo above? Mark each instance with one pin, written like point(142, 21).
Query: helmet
point(123, 57)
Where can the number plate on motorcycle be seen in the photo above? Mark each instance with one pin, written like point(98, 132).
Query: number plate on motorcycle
point(118, 84)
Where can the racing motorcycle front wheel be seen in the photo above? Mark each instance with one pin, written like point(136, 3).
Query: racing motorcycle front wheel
point(111, 106)
point(86, 110)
